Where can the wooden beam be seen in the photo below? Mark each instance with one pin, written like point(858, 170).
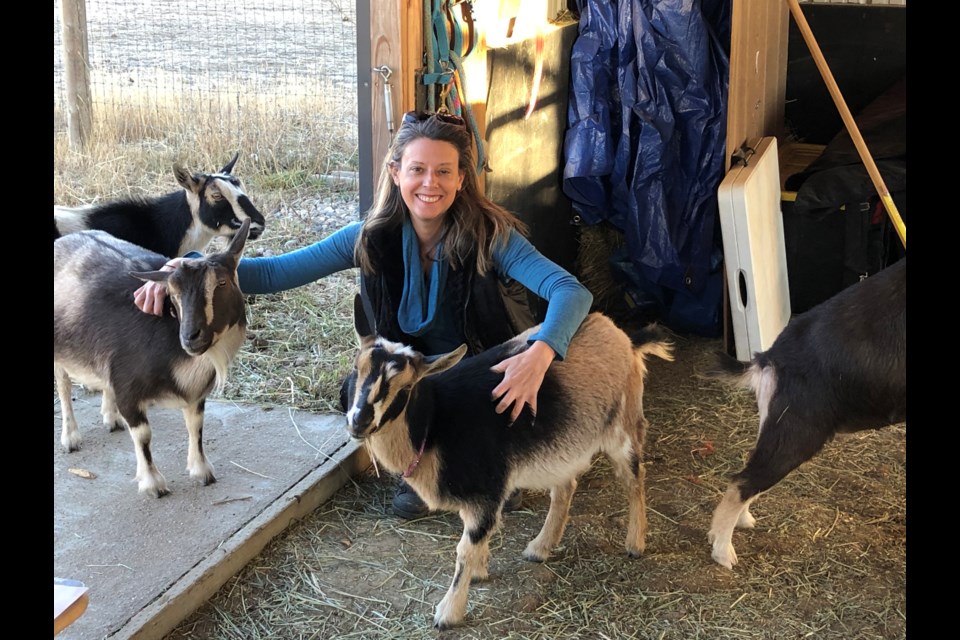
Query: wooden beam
point(412, 47)
point(758, 72)
point(396, 41)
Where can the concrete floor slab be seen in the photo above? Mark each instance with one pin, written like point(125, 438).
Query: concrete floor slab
point(151, 562)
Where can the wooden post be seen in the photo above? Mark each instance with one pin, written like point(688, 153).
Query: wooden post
point(758, 72)
point(76, 69)
point(396, 40)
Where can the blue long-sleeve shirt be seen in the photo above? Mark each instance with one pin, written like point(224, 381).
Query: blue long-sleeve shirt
point(569, 301)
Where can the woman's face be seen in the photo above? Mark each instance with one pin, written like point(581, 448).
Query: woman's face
point(429, 178)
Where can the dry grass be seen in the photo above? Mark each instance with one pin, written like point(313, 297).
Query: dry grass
point(300, 346)
point(136, 139)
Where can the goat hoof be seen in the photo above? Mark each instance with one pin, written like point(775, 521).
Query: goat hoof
point(725, 557)
point(117, 426)
point(533, 557)
point(536, 551)
point(445, 616)
point(440, 624)
point(71, 441)
point(443, 625)
point(746, 520)
point(209, 481)
point(155, 489)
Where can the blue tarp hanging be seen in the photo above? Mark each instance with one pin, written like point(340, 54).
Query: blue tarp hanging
point(644, 149)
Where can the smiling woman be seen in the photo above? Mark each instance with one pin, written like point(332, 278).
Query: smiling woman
point(429, 179)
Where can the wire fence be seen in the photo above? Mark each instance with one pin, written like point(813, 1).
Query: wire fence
point(241, 64)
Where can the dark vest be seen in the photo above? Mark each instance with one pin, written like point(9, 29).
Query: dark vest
point(490, 311)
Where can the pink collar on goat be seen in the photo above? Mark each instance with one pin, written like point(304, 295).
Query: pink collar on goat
point(416, 461)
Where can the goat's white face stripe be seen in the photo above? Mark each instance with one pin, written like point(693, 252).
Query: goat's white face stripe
point(377, 385)
point(210, 290)
point(199, 234)
point(374, 397)
point(231, 193)
point(193, 200)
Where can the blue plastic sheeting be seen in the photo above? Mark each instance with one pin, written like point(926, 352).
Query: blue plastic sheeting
point(644, 149)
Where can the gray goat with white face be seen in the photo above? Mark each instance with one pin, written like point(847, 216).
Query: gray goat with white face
point(103, 341)
point(433, 420)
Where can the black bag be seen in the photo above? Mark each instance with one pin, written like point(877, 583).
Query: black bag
point(830, 249)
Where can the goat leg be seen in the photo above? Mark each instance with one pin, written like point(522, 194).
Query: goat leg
point(69, 433)
point(197, 464)
point(473, 550)
point(108, 409)
point(149, 479)
point(786, 441)
point(540, 547)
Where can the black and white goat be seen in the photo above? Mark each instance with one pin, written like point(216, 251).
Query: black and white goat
point(432, 418)
point(840, 367)
point(208, 206)
point(102, 340)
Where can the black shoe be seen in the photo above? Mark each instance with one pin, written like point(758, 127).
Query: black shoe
point(514, 502)
point(407, 504)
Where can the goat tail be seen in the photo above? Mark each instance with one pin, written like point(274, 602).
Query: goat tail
point(652, 340)
point(728, 369)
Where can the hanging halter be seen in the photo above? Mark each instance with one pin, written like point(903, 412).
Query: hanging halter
point(444, 74)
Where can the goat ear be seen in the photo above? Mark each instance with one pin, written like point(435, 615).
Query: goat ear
point(239, 239)
point(185, 178)
point(360, 321)
point(227, 168)
point(438, 364)
point(153, 276)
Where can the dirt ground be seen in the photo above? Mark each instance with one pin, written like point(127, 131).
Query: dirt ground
point(827, 558)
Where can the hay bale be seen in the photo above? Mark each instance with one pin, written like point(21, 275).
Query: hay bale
point(597, 243)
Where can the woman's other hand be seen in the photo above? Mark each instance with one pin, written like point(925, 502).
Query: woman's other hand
point(522, 376)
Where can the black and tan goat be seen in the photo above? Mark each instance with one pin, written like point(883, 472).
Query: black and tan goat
point(840, 367)
point(209, 205)
point(102, 340)
point(432, 418)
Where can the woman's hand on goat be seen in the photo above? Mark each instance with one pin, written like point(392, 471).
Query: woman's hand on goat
point(522, 377)
point(150, 296)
